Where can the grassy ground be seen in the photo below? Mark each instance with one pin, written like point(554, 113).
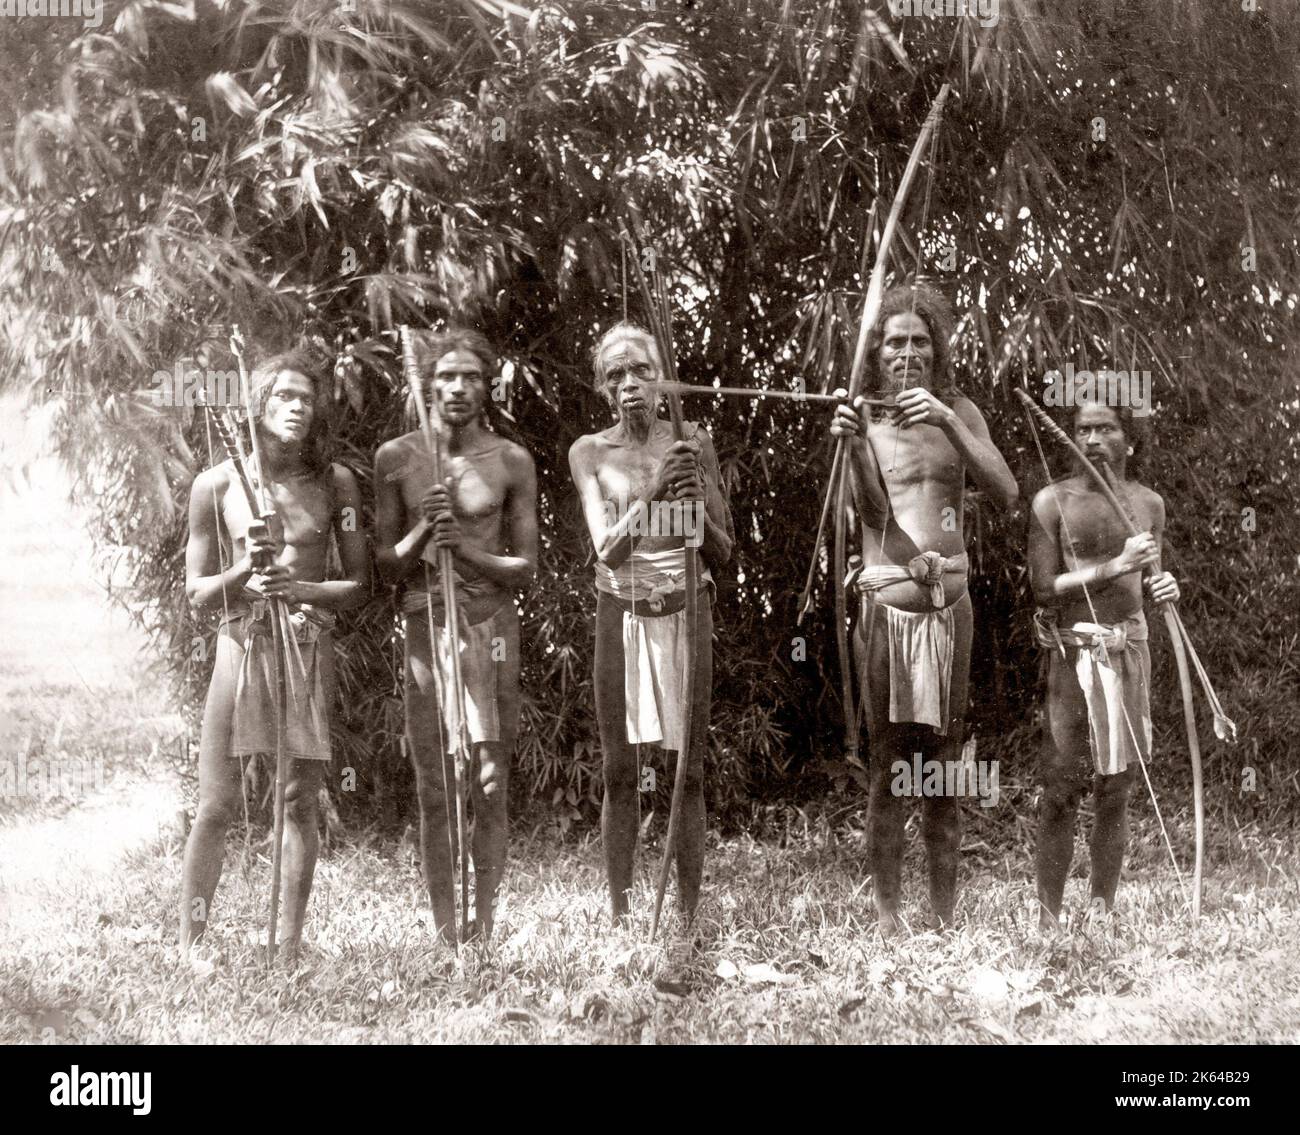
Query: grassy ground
point(785, 944)
point(785, 952)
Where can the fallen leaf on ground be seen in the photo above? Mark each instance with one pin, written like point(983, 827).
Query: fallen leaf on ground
point(764, 974)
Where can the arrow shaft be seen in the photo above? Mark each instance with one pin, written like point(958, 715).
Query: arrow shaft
point(432, 432)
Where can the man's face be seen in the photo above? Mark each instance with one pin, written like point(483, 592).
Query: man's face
point(290, 407)
point(630, 378)
point(460, 384)
point(906, 352)
point(1100, 434)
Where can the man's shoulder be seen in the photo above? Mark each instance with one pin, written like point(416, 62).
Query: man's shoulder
point(514, 456)
point(396, 447)
point(1056, 494)
point(341, 476)
point(1145, 494)
point(593, 441)
point(1045, 497)
point(215, 477)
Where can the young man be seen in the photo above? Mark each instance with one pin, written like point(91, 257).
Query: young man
point(313, 501)
point(485, 512)
point(1087, 579)
point(912, 642)
point(641, 494)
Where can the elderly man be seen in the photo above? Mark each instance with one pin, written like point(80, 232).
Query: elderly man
point(644, 496)
point(1087, 579)
point(486, 513)
point(909, 463)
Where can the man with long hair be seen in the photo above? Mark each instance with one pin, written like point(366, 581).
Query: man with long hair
point(485, 512)
point(239, 575)
point(909, 463)
point(642, 494)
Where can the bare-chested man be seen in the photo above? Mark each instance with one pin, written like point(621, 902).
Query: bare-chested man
point(486, 513)
point(1087, 579)
point(913, 639)
point(313, 501)
point(628, 478)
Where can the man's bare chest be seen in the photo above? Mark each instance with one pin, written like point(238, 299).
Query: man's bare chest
point(623, 473)
point(1090, 530)
point(916, 456)
point(478, 482)
point(302, 512)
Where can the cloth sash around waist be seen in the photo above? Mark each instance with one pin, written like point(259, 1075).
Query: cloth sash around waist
point(1114, 675)
point(927, 569)
point(256, 709)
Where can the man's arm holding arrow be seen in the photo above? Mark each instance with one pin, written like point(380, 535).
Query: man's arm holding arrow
point(968, 433)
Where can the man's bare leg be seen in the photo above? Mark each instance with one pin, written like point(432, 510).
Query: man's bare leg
point(886, 817)
point(433, 774)
point(889, 742)
point(941, 830)
point(1066, 767)
point(941, 815)
point(490, 789)
point(220, 785)
point(620, 808)
point(691, 834)
point(301, 846)
point(1110, 835)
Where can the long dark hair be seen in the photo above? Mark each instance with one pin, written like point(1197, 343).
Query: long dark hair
point(316, 447)
point(937, 314)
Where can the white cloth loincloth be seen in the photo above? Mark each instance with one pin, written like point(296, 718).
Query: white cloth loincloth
point(654, 646)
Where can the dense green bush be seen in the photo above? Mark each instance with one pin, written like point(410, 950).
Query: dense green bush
point(1107, 186)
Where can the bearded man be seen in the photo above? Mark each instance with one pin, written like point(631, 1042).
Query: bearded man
point(909, 462)
point(1086, 574)
point(485, 512)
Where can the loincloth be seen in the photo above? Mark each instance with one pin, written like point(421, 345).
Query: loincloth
point(477, 598)
point(650, 587)
point(482, 645)
point(921, 643)
point(927, 569)
point(253, 721)
point(1114, 675)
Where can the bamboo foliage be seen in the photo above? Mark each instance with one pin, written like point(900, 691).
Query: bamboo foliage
point(1104, 173)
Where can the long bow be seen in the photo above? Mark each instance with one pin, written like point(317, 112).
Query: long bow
point(1178, 639)
point(431, 427)
point(261, 512)
point(659, 315)
point(837, 485)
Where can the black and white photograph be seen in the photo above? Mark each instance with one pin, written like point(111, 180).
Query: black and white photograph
point(658, 522)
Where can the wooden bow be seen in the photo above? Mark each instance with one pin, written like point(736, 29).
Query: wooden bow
point(837, 485)
point(459, 743)
point(658, 312)
point(280, 638)
point(1178, 639)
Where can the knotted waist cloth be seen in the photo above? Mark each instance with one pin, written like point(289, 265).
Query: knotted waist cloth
point(253, 722)
point(1115, 676)
point(920, 642)
point(480, 643)
point(655, 644)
